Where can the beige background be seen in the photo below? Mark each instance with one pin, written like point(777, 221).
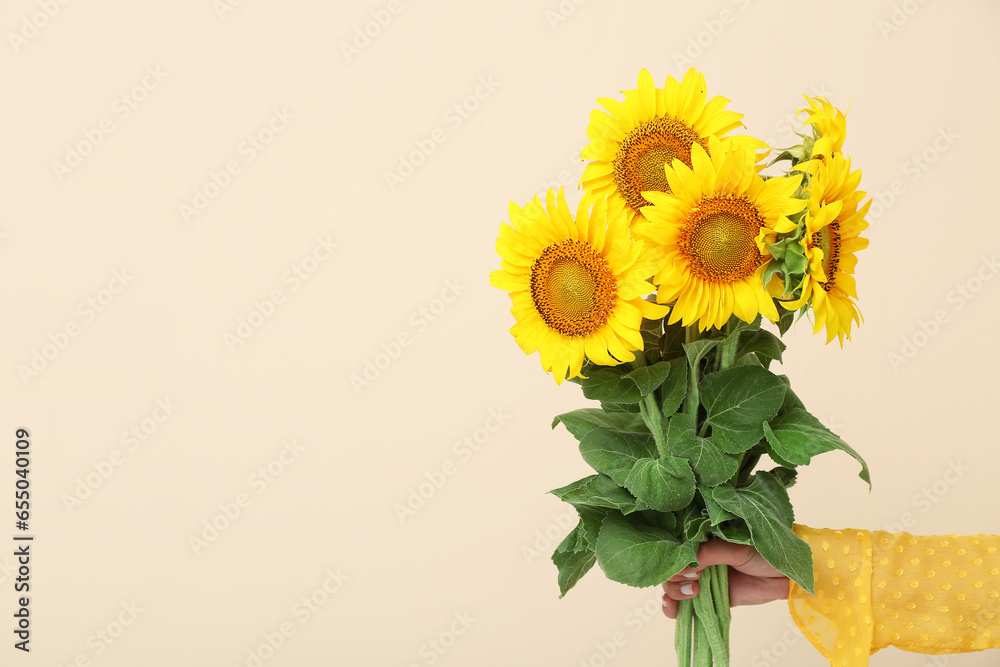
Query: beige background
point(461, 572)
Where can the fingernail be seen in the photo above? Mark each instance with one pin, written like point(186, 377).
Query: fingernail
point(664, 601)
point(687, 589)
point(691, 575)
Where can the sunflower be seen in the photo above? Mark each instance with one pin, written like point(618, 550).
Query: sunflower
point(636, 138)
point(714, 227)
point(829, 126)
point(576, 286)
point(833, 225)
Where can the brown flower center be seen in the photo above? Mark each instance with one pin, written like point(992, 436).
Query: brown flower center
point(643, 153)
point(719, 238)
point(572, 288)
point(828, 240)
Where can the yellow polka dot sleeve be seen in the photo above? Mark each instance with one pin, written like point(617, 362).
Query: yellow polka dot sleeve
point(926, 594)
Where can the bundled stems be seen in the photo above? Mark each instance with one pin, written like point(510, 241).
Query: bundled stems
point(683, 631)
point(702, 650)
point(701, 636)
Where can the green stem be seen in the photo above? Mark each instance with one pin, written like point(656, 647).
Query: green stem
point(722, 606)
point(728, 355)
point(653, 419)
point(682, 632)
point(691, 400)
point(702, 650)
point(706, 609)
point(650, 412)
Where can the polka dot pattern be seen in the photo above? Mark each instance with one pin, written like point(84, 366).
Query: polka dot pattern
point(840, 619)
point(927, 594)
point(945, 581)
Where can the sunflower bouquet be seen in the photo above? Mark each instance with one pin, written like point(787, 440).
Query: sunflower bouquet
point(651, 297)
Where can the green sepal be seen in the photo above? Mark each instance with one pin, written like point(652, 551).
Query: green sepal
point(794, 154)
point(788, 261)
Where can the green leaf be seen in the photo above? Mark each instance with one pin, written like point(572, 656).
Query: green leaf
point(667, 521)
point(672, 341)
point(736, 532)
point(711, 465)
point(797, 436)
point(651, 331)
point(572, 542)
point(598, 491)
point(639, 555)
point(736, 441)
point(609, 385)
point(741, 397)
point(649, 378)
point(674, 389)
point(716, 514)
point(761, 343)
point(573, 560)
point(590, 524)
point(785, 320)
point(697, 350)
point(775, 456)
point(786, 476)
point(572, 566)
point(791, 401)
point(765, 506)
point(582, 422)
point(615, 453)
point(665, 484)
point(737, 402)
point(621, 407)
point(697, 525)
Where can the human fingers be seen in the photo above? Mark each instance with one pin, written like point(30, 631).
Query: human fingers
point(669, 606)
point(676, 590)
point(742, 557)
point(687, 574)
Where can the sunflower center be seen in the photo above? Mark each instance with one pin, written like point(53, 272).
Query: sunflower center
point(828, 240)
point(719, 239)
point(572, 288)
point(643, 153)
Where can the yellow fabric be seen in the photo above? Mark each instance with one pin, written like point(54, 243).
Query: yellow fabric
point(926, 594)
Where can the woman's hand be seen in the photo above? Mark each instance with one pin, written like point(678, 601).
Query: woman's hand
point(752, 580)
